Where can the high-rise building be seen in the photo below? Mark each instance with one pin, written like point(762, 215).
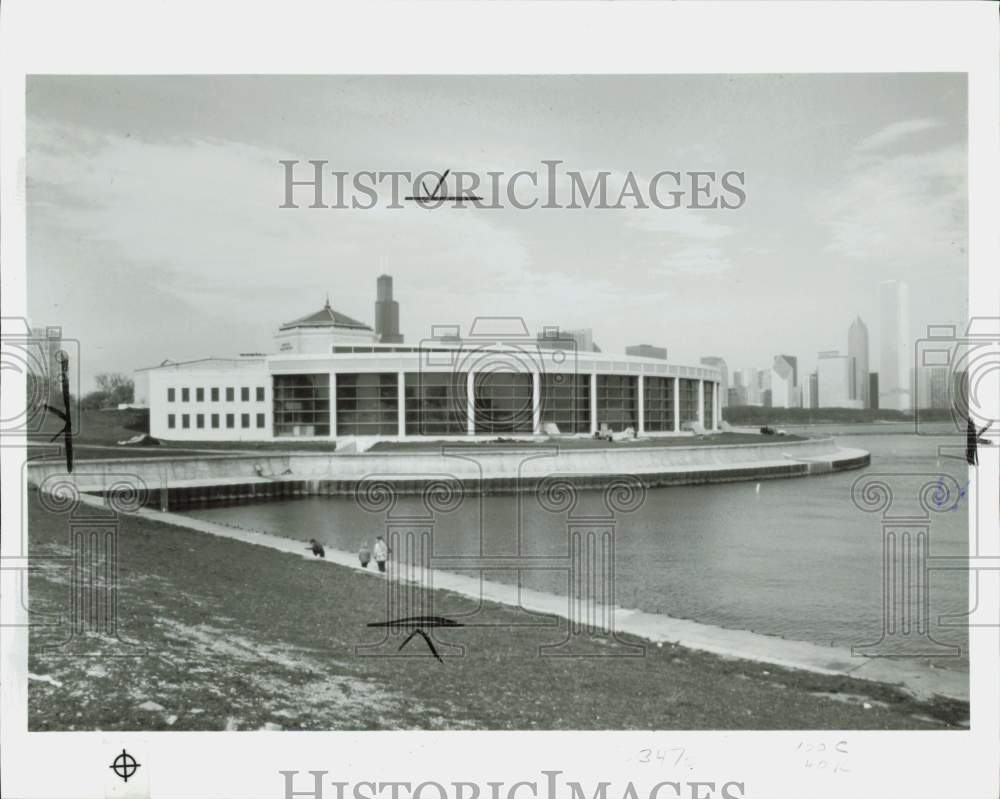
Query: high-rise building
point(810, 391)
point(718, 363)
point(782, 383)
point(857, 352)
point(647, 351)
point(386, 313)
point(895, 362)
point(834, 381)
point(873, 390)
point(557, 338)
point(933, 388)
point(793, 361)
point(747, 379)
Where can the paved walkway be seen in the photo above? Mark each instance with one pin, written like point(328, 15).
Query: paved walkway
point(920, 680)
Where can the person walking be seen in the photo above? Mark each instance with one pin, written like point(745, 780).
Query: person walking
point(317, 548)
point(381, 553)
point(364, 555)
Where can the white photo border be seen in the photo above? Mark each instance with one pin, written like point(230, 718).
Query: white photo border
point(184, 37)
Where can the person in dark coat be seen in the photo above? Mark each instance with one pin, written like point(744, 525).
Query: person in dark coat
point(364, 555)
point(317, 548)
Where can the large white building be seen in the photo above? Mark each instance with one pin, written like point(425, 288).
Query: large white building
point(330, 377)
point(895, 358)
point(834, 381)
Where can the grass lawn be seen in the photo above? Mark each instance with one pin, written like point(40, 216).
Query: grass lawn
point(239, 636)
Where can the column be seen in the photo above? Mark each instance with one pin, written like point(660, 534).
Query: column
point(701, 402)
point(641, 384)
point(470, 403)
point(677, 404)
point(333, 405)
point(718, 406)
point(401, 404)
point(593, 403)
point(536, 403)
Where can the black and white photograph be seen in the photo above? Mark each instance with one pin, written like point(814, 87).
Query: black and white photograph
point(455, 400)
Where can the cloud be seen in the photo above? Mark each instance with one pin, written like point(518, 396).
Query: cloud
point(908, 209)
point(891, 134)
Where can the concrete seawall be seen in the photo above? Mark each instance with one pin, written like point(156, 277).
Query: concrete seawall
point(246, 477)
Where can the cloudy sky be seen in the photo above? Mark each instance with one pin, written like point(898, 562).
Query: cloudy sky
point(154, 227)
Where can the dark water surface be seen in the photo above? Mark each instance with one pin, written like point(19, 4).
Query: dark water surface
point(794, 557)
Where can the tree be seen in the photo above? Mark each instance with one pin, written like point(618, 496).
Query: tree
point(112, 389)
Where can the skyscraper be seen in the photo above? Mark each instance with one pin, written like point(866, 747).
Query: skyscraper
point(793, 361)
point(720, 364)
point(895, 346)
point(857, 352)
point(834, 380)
point(386, 313)
point(783, 383)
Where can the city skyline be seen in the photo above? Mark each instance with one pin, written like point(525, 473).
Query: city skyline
point(145, 220)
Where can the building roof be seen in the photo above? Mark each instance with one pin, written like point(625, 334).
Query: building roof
point(326, 317)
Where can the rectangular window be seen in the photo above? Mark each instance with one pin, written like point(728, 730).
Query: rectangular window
point(230, 420)
point(565, 401)
point(244, 420)
point(658, 403)
point(503, 402)
point(436, 403)
point(171, 421)
point(215, 420)
point(170, 395)
point(230, 394)
point(708, 409)
point(215, 395)
point(245, 394)
point(367, 404)
point(199, 421)
point(688, 403)
point(260, 420)
point(617, 402)
point(260, 393)
point(301, 405)
point(199, 395)
point(185, 421)
point(185, 395)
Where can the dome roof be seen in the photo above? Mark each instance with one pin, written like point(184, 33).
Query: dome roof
point(326, 317)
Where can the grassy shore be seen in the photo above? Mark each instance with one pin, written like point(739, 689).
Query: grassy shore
point(237, 636)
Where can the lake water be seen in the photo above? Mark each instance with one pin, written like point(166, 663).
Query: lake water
point(794, 558)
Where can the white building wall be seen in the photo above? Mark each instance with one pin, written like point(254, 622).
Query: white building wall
point(244, 380)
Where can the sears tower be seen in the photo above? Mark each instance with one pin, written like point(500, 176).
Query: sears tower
point(386, 313)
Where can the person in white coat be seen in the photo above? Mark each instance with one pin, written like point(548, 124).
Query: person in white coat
point(380, 552)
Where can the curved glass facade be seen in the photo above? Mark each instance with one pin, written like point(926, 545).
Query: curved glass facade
point(367, 404)
point(436, 404)
point(301, 405)
point(503, 402)
point(688, 402)
point(617, 401)
point(565, 402)
point(658, 404)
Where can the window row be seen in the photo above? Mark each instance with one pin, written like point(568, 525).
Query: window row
point(214, 420)
point(215, 393)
